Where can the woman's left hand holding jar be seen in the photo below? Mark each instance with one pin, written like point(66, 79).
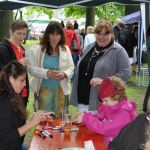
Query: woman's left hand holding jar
point(58, 75)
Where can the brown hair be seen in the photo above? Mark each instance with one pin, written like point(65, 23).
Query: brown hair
point(14, 69)
point(120, 86)
point(69, 25)
point(104, 24)
point(90, 29)
point(53, 27)
point(18, 24)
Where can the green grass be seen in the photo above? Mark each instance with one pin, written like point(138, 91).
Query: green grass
point(136, 93)
point(30, 43)
point(30, 112)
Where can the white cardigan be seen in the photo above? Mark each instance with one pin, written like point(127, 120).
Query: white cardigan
point(35, 68)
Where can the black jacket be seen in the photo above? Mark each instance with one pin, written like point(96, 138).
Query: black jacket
point(10, 121)
point(7, 55)
point(132, 136)
point(147, 96)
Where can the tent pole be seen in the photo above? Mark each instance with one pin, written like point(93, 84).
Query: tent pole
point(147, 11)
point(147, 23)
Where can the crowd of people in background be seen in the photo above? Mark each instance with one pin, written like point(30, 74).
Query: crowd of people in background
point(127, 36)
point(90, 66)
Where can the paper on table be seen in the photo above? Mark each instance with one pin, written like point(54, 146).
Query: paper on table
point(73, 148)
point(89, 145)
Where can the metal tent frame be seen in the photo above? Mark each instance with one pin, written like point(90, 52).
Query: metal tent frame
point(57, 4)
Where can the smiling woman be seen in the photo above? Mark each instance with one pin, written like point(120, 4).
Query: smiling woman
point(103, 58)
point(51, 67)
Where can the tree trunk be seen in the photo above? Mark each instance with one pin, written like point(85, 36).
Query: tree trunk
point(129, 9)
point(6, 18)
point(90, 16)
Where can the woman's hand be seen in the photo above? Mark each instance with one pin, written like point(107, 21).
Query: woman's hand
point(61, 76)
point(56, 75)
point(31, 122)
point(35, 119)
point(96, 81)
point(52, 74)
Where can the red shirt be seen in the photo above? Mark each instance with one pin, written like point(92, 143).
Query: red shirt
point(69, 37)
point(18, 51)
point(19, 55)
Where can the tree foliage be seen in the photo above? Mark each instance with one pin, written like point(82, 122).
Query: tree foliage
point(75, 11)
point(110, 11)
point(40, 10)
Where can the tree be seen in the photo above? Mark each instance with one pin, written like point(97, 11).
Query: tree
point(40, 10)
point(6, 17)
point(76, 11)
point(90, 14)
point(30, 11)
point(110, 11)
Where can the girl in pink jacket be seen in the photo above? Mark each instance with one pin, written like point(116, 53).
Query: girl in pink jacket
point(115, 111)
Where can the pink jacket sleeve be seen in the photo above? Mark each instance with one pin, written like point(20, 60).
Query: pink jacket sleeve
point(110, 127)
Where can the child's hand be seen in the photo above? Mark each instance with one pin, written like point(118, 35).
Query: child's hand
point(79, 117)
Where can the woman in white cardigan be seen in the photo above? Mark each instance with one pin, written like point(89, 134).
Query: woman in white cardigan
point(51, 66)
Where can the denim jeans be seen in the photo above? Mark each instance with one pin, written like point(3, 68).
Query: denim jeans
point(24, 147)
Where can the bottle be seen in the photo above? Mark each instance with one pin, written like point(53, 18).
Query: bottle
point(66, 104)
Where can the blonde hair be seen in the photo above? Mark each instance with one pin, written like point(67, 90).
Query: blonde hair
point(120, 86)
point(90, 29)
point(118, 20)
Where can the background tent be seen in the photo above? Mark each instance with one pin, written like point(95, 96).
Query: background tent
point(56, 4)
point(133, 18)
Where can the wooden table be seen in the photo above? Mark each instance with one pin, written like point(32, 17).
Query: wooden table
point(60, 140)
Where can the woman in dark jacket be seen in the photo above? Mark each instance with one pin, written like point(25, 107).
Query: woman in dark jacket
point(13, 122)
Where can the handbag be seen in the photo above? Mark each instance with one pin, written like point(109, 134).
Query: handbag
point(74, 45)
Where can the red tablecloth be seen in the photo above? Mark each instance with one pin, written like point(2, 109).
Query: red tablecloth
point(60, 140)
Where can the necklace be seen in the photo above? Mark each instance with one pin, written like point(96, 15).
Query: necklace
point(95, 53)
